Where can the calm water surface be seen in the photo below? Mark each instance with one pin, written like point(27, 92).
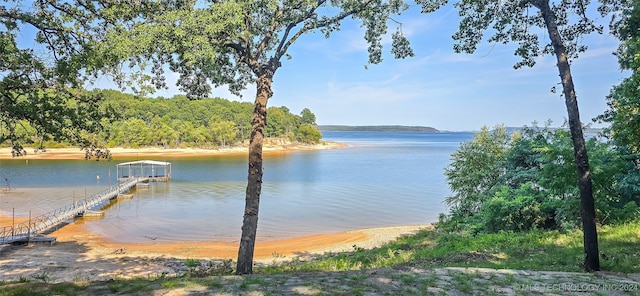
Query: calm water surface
point(381, 179)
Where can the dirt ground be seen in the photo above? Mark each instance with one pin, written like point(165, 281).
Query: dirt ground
point(81, 255)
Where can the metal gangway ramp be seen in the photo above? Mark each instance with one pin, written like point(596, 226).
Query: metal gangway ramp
point(26, 230)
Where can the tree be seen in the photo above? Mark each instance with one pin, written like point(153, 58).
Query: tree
point(159, 115)
point(527, 181)
point(307, 117)
point(162, 132)
point(223, 131)
point(476, 168)
point(624, 100)
point(308, 133)
point(277, 122)
point(39, 83)
point(565, 22)
point(135, 133)
point(234, 43)
point(623, 114)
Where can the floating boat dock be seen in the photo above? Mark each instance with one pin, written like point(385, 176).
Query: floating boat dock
point(155, 171)
point(32, 229)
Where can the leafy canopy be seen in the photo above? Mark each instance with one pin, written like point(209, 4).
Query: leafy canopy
point(211, 44)
point(521, 22)
point(47, 52)
point(526, 180)
point(624, 100)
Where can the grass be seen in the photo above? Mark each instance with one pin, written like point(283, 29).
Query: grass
point(192, 263)
point(535, 250)
point(252, 281)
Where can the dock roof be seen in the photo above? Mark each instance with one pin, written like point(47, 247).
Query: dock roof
point(151, 162)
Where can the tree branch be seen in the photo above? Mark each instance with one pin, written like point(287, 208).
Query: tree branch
point(279, 51)
point(285, 44)
point(267, 38)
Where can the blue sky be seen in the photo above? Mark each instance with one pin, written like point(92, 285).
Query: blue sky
point(437, 87)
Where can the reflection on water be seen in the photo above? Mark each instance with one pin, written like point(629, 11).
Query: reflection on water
point(42, 200)
point(382, 179)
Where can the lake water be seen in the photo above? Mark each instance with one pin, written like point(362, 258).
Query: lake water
point(380, 179)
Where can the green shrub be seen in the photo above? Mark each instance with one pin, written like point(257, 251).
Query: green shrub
point(516, 210)
point(308, 133)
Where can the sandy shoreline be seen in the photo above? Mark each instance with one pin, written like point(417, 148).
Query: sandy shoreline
point(79, 253)
point(76, 232)
point(151, 152)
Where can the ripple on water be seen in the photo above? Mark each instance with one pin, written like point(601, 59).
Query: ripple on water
point(393, 181)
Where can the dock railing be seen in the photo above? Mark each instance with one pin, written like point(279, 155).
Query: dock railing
point(39, 224)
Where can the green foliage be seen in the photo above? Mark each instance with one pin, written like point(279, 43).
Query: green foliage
point(608, 165)
point(228, 43)
point(548, 250)
point(222, 132)
point(177, 122)
point(623, 114)
point(475, 169)
point(518, 22)
point(192, 262)
point(180, 122)
point(40, 83)
point(279, 123)
point(307, 117)
point(517, 210)
point(533, 183)
point(308, 133)
point(563, 24)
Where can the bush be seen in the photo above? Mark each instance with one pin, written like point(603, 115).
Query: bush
point(517, 210)
point(527, 179)
point(617, 213)
point(308, 133)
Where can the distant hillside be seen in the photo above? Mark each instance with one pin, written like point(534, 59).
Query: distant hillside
point(512, 129)
point(376, 128)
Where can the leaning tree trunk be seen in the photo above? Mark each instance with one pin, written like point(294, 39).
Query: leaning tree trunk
point(254, 179)
point(587, 203)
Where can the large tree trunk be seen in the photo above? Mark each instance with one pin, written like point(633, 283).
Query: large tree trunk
point(587, 204)
point(254, 179)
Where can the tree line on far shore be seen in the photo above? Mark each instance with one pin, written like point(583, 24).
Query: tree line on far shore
point(177, 122)
point(376, 128)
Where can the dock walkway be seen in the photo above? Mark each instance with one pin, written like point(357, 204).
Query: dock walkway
point(28, 229)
